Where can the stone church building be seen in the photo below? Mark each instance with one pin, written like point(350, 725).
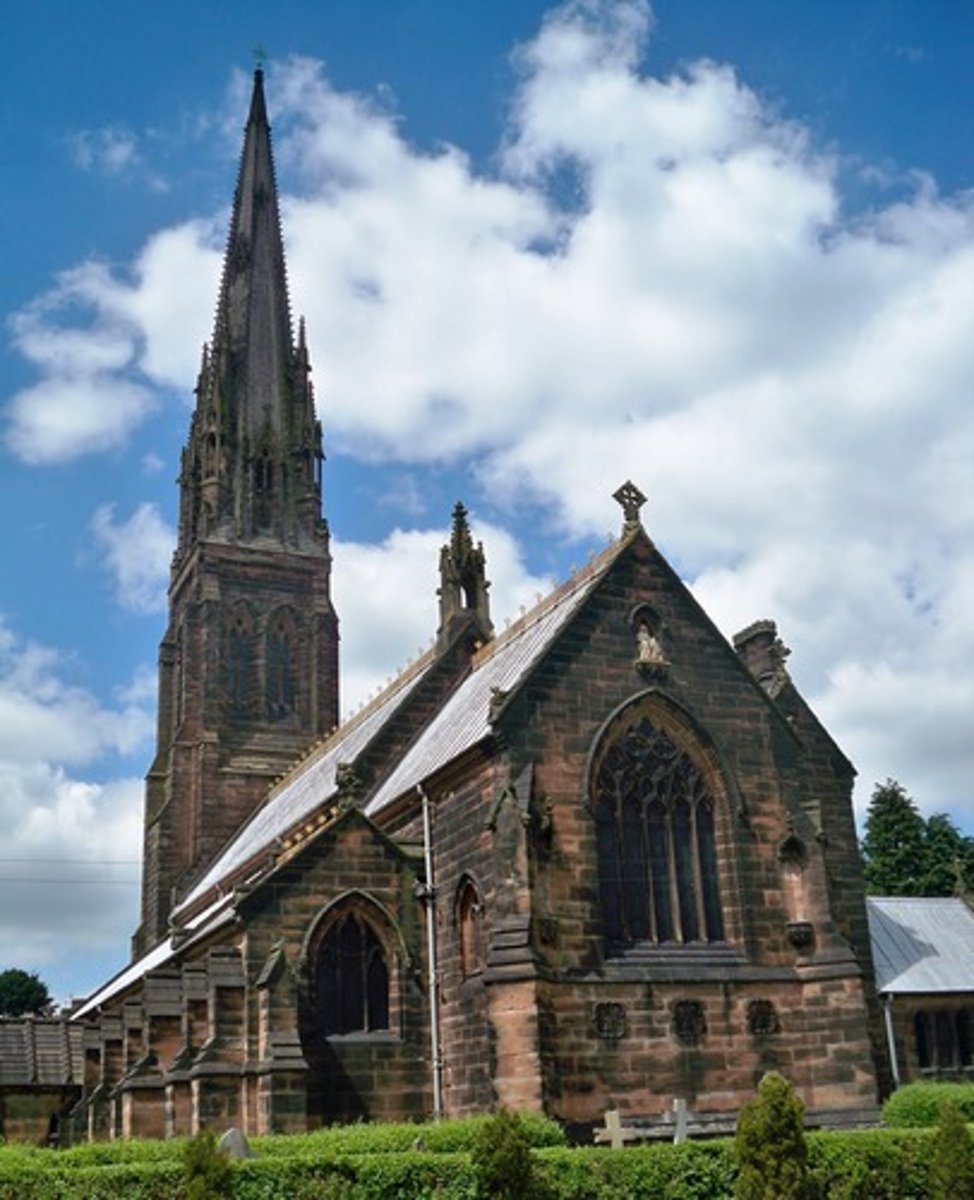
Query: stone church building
point(601, 859)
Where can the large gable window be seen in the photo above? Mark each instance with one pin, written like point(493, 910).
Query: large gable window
point(654, 818)
point(352, 978)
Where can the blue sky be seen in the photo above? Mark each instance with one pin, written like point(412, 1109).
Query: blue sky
point(726, 250)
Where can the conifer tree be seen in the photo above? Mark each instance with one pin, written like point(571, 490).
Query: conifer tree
point(952, 1172)
point(772, 1157)
point(894, 846)
point(948, 858)
point(904, 855)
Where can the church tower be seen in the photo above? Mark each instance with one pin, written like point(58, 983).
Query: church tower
point(248, 667)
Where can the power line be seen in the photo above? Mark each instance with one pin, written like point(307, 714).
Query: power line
point(85, 862)
point(72, 882)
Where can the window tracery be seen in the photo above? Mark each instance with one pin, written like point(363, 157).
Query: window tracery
point(280, 667)
point(238, 663)
point(351, 978)
point(656, 838)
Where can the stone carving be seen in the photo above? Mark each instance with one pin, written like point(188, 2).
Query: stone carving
point(610, 1020)
point(689, 1022)
point(651, 658)
point(762, 1019)
point(648, 648)
point(348, 784)
point(630, 499)
point(801, 934)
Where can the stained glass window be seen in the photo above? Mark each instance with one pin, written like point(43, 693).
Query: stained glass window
point(654, 818)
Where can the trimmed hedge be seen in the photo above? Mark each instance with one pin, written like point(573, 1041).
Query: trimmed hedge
point(873, 1164)
point(439, 1137)
point(917, 1105)
point(870, 1165)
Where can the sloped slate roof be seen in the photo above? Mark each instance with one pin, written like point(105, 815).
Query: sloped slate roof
point(211, 918)
point(502, 666)
point(463, 721)
point(40, 1053)
point(921, 944)
point(309, 785)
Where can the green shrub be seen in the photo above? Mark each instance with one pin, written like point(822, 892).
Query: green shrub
point(918, 1104)
point(208, 1174)
point(872, 1164)
point(119, 1181)
point(501, 1158)
point(438, 1137)
point(881, 1164)
point(772, 1158)
point(296, 1178)
point(952, 1169)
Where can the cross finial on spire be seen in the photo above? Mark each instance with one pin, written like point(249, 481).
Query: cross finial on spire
point(259, 55)
point(630, 499)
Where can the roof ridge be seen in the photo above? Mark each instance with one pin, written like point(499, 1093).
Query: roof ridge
point(568, 587)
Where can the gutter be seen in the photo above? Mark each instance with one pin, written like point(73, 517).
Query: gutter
point(428, 896)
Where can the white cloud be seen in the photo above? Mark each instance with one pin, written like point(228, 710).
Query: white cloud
point(107, 150)
point(62, 831)
point(104, 346)
point(137, 552)
point(386, 599)
point(63, 418)
point(659, 280)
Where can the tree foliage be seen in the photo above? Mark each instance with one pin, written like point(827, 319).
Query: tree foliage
point(22, 992)
point(952, 1174)
point(501, 1158)
point(208, 1174)
point(905, 855)
point(772, 1157)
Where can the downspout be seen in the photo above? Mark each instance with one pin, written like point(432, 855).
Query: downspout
point(890, 1039)
point(429, 897)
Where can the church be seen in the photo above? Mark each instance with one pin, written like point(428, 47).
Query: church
point(604, 859)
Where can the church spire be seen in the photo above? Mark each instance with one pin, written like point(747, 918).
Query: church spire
point(248, 666)
point(251, 468)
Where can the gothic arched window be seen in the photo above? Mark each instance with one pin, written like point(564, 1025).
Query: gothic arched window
point(469, 920)
point(655, 830)
point(238, 663)
point(351, 978)
point(280, 647)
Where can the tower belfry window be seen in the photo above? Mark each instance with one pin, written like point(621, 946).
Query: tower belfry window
point(280, 668)
point(654, 819)
point(238, 664)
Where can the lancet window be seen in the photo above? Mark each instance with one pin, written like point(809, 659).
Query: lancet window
point(263, 489)
point(352, 978)
point(238, 663)
point(469, 921)
point(280, 666)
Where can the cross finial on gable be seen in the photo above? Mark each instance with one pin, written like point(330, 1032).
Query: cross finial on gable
point(630, 499)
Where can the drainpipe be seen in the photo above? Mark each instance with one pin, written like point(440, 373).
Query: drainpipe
point(429, 896)
point(890, 1039)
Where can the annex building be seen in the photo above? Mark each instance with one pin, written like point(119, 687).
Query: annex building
point(604, 858)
